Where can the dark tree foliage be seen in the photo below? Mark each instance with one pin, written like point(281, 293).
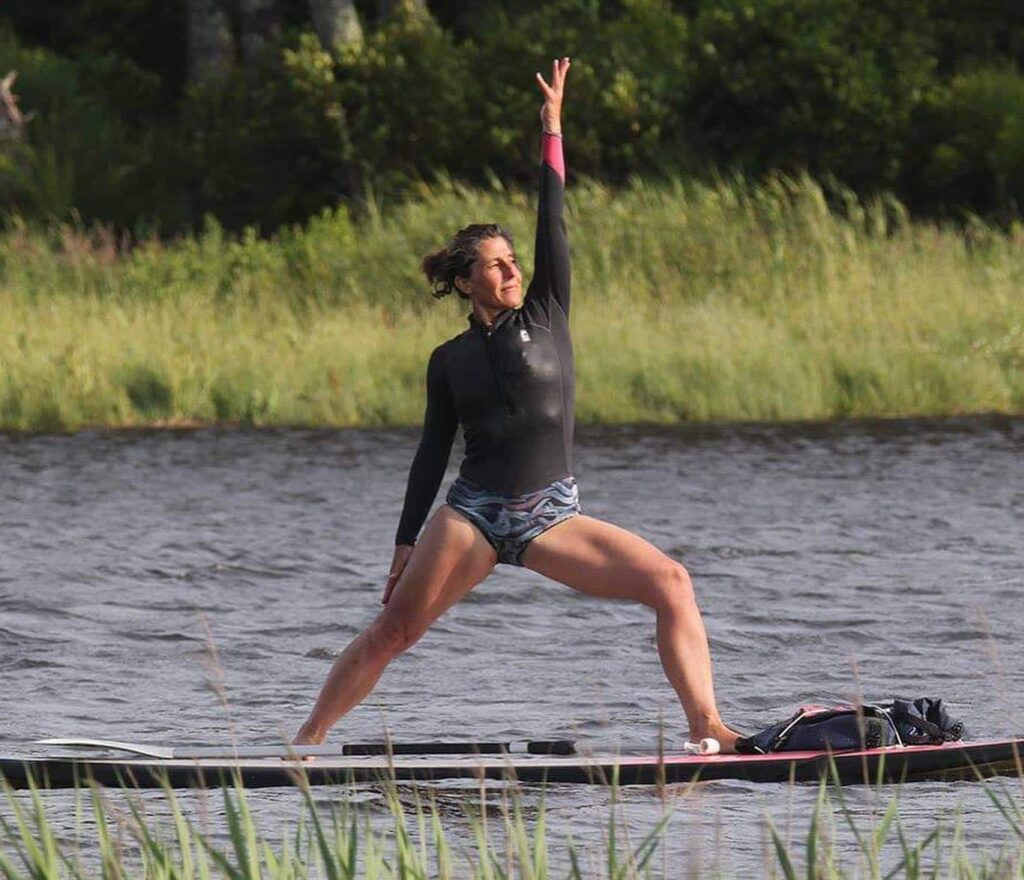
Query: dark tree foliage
point(979, 32)
point(823, 85)
point(268, 144)
point(969, 140)
point(148, 34)
point(924, 97)
point(408, 100)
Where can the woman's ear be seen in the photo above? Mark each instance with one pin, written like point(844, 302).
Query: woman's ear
point(462, 284)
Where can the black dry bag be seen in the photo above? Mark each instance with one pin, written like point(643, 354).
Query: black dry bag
point(845, 727)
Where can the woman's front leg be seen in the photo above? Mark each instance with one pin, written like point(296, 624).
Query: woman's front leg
point(604, 560)
point(450, 559)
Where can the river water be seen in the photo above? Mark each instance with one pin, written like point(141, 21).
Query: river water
point(831, 561)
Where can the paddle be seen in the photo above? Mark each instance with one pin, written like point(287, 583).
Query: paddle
point(531, 747)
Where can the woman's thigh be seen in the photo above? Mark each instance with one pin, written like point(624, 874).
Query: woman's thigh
point(604, 560)
point(451, 558)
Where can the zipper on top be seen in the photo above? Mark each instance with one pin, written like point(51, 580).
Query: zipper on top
point(506, 399)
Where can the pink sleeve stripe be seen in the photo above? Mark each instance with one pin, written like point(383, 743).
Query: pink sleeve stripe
point(551, 150)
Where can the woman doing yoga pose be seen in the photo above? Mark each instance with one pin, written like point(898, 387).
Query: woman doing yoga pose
point(508, 380)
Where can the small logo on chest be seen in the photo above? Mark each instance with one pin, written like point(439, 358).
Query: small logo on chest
point(524, 336)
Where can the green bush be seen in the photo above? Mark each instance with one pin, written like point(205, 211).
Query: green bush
point(969, 34)
point(823, 85)
point(269, 143)
point(145, 36)
point(972, 145)
point(148, 390)
point(300, 131)
point(630, 78)
point(646, 73)
point(79, 157)
point(879, 94)
point(410, 103)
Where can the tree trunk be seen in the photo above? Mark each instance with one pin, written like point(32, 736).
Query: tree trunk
point(261, 24)
point(336, 23)
point(210, 43)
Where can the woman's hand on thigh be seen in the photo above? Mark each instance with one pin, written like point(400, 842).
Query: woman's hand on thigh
point(398, 564)
point(450, 558)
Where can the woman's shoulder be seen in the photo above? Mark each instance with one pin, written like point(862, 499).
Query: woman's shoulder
point(460, 338)
point(449, 348)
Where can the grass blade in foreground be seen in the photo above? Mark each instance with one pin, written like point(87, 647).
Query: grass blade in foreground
point(403, 850)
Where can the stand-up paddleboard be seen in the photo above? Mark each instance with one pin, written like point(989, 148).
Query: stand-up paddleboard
point(263, 766)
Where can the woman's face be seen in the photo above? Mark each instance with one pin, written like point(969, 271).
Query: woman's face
point(495, 282)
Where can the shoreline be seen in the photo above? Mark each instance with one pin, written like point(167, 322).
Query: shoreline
point(895, 424)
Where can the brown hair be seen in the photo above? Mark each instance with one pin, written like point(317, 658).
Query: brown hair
point(456, 259)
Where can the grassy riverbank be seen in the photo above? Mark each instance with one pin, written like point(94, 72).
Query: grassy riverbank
point(118, 834)
point(692, 303)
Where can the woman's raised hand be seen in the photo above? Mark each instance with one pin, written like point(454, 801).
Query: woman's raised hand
point(551, 112)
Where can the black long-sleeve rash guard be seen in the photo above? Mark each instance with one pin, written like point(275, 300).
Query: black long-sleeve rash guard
point(511, 387)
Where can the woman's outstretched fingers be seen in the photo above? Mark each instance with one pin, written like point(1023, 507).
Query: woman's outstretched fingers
point(551, 112)
point(559, 68)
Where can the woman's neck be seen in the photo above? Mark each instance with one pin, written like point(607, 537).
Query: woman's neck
point(485, 315)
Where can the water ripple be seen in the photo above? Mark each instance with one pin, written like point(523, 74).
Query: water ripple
point(830, 560)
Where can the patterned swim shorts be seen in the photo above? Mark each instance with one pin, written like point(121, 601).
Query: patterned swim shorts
point(509, 523)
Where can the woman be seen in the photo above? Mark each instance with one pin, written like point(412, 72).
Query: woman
point(508, 380)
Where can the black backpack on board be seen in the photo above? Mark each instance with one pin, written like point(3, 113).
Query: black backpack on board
point(844, 727)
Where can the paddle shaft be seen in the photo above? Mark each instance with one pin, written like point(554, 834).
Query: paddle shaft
point(531, 747)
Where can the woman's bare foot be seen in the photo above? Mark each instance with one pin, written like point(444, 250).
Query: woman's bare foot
point(309, 736)
point(726, 738)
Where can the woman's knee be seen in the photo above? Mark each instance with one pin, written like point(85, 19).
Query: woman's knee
point(393, 634)
point(671, 588)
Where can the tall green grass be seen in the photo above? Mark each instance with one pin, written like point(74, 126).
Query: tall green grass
point(115, 837)
point(692, 302)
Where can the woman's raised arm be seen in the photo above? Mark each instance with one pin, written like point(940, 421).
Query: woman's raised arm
point(551, 274)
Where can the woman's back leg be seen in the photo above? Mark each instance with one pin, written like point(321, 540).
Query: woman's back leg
point(603, 560)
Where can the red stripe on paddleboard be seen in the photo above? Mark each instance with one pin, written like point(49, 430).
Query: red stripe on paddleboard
point(812, 754)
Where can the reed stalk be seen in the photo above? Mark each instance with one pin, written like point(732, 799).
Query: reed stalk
point(340, 840)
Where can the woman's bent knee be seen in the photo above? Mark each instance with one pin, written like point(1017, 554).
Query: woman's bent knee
point(672, 588)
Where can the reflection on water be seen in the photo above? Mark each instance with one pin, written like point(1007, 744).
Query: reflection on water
point(830, 561)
